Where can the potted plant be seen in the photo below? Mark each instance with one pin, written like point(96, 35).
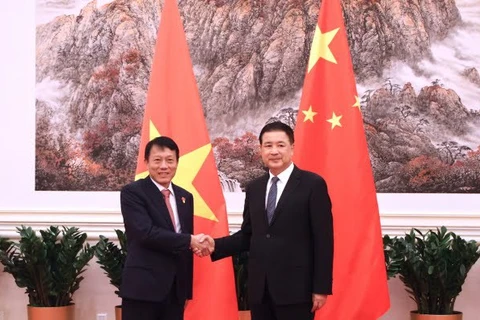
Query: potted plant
point(240, 267)
point(49, 267)
point(112, 259)
point(433, 267)
point(4, 244)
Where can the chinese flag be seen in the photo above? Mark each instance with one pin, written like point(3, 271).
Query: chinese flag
point(174, 109)
point(330, 141)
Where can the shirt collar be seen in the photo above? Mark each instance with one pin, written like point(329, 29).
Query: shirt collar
point(161, 188)
point(284, 175)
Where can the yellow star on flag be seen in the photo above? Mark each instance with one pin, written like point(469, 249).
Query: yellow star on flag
point(320, 47)
point(188, 167)
point(335, 120)
point(357, 102)
point(309, 114)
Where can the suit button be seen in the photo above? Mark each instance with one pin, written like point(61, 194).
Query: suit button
point(268, 236)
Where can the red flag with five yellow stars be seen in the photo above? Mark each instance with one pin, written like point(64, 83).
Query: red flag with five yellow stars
point(330, 141)
point(174, 109)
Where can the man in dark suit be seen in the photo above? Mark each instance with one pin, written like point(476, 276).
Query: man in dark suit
point(158, 217)
point(288, 230)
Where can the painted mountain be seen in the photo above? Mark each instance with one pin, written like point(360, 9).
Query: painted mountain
point(416, 64)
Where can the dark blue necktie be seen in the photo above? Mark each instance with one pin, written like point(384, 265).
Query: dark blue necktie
point(272, 199)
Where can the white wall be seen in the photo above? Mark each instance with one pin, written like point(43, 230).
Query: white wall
point(98, 212)
point(17, 141)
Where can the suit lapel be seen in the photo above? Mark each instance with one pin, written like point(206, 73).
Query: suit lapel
point(157, 198)
point(260, 192)
point(181, 209)
point(292, 184)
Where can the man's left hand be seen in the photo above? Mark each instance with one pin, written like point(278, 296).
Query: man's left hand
point(318, 301)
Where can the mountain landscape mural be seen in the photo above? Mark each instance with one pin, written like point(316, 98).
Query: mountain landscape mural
point(416, 65)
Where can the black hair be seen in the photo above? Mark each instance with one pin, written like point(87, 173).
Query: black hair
point(162, 142)
point(277, 126)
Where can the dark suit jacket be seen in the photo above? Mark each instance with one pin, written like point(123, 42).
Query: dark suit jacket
point(157, 255)
point(294, 254)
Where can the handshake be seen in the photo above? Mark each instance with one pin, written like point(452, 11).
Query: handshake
point(202, 245)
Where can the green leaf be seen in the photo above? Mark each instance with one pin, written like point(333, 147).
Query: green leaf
point(430, 269)
point(432, 265)
point(47, 266)
point(111, 257)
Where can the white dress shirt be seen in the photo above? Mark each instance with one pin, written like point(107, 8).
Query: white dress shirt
point(173, 203)
point(281, 183)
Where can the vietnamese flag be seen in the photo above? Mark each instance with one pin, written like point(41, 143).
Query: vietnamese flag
point(330, 140)
point(174, 109)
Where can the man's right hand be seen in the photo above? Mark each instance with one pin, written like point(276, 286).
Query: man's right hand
point(202, 245)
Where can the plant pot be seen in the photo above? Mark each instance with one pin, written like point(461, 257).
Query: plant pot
point(51, 313)
point(244, 315)
point(417, 316)
point(118, 312)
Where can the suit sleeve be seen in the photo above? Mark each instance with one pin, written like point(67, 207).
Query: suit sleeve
point(237, 242)
point(322, 231)
point(139, 226)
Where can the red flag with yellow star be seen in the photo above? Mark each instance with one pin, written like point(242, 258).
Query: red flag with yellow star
point(174, 109)
point(330, 141)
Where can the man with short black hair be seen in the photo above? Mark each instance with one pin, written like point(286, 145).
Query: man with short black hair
point(288, 230)
point(158, 216)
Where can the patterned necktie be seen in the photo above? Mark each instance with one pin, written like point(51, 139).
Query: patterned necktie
point(272, 199)
point(166, 196)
